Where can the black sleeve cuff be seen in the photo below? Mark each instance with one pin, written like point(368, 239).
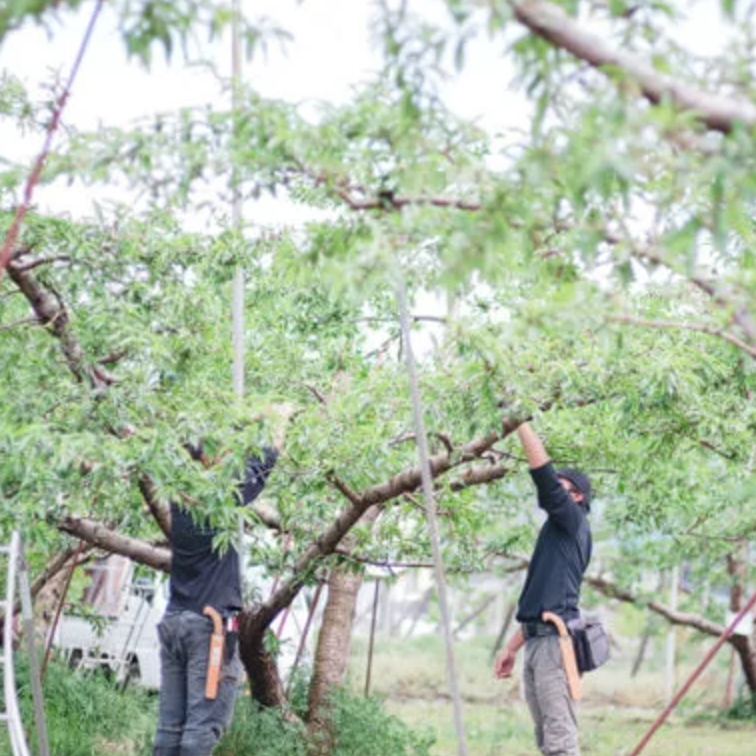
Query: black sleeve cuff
point(545, 475)
point(256, 472)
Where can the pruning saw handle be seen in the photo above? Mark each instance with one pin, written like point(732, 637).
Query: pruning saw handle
point(568, 655)
point(215, 656)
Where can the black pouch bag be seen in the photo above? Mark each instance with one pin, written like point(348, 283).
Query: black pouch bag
point(591, 642)
point(229, 648)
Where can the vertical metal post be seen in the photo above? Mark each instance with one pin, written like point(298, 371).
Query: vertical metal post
point(305, 633)
point(431, 516)
point(237, 307)
point(237, 298)
point(371, 645)
point(670, 645)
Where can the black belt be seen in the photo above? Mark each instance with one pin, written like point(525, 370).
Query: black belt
point(538, 629)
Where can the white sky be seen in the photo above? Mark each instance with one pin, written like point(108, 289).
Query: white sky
point(333, 49)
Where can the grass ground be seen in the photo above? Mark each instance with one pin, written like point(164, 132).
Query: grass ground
point(505, 731)
point(616, 712)
point(88, 718)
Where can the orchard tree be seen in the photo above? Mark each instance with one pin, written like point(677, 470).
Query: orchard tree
point(599, 283)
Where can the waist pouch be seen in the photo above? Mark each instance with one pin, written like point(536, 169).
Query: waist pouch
point(230, 646)
point(591, 643)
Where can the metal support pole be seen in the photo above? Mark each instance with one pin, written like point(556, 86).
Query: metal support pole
point(693, 677)
point(237, 295)
point(305, 632)
point(371, 645)
point(430, 512)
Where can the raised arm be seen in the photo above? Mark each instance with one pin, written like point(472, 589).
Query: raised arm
point(532, 446)
point(552, 496)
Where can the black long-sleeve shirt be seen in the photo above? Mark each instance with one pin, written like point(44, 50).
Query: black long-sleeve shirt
point(200, 575)
point(561, 554)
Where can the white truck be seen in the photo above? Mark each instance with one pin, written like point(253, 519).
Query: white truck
point(117, 630)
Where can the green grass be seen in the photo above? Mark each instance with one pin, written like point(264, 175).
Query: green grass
point(505, 730)
point(616, 711)
point(86, 715)
point(89, 717)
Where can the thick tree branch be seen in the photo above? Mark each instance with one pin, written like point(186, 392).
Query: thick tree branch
point(111, 359)
point(160, 512)
point(358, 198)
point(98, 535)
point(267, 516)
point(389, 201)
point(611, 590)
point(551, 23)
point(343, 488)
point(375, 496)
point(36, 263)
point(52, 312)
point(476, 476)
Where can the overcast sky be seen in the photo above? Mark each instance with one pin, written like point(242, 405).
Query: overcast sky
point(333, 49)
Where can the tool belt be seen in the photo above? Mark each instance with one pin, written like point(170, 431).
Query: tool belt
point(222, 647)
point(567, 652)
point(538, 629)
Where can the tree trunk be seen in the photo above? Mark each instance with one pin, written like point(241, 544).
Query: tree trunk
point(641, 655)
point(332, 655)
point(747, 653)
point(744, 645)
point(265, 682)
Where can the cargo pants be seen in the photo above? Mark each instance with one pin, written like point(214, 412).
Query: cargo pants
point(546, 692)
point(188, 723)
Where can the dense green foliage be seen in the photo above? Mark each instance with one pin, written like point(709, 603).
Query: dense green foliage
point(598, 265)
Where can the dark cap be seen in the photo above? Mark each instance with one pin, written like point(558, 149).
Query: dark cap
point(580, 481)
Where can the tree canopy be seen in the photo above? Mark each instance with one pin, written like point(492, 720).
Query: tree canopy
point(593, 272)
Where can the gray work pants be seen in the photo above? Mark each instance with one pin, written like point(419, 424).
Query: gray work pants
point(548, 697)
point(188, 723)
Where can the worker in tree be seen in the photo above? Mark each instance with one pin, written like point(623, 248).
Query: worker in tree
point(205, 590)
point(552, 584)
